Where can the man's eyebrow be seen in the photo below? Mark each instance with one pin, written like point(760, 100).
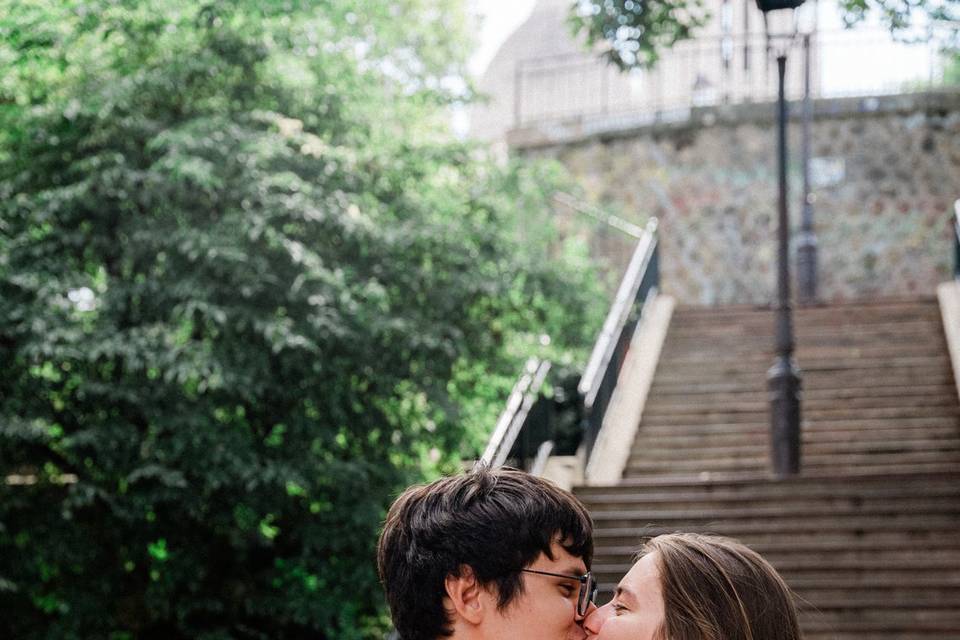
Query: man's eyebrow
point(575, 570)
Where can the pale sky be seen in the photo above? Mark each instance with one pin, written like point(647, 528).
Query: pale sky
point(499, 19)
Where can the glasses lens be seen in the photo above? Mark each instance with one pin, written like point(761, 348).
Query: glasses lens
point(588, 594)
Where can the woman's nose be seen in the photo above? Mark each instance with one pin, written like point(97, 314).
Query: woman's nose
point(595, 618)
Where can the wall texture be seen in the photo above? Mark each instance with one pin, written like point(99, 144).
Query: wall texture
point(886, 172)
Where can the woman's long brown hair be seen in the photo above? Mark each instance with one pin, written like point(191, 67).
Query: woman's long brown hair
point(719, 589)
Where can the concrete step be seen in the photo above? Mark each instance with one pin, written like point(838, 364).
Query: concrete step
point(847, 511)
point(758, 538)
point(907, 389)
point(758, 329)
point(654, 449)
point(893, 438)
point(916, 560)
point(869, 621)
point(910, 306)
point(885, 619)
point(932, 533)
point(808, 470)
point(830, 601)
point(834, 315)
point(834, 579)
point(705, 369)
point(810, 463)
point(755, 533)
point(801, 497)
point(659, 405)
point(759, 325)
point(857, 582)
point(759, 414)
point(905, 475)
point(911, 425)
point(762, 335)
point(756, 379)
point(913, 634)
point(939, 597)
point(849, 553)
point(804, 353)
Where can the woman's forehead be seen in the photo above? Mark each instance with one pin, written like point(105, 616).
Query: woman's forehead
point(643, 579)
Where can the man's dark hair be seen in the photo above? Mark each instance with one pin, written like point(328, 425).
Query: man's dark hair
point(495, 521)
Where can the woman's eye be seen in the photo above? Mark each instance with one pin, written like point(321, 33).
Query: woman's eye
point(619, 608)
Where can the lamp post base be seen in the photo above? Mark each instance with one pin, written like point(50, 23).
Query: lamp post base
point(807, 267)
point(783, 383)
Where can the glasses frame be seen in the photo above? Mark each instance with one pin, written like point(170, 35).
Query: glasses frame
point(588, 587)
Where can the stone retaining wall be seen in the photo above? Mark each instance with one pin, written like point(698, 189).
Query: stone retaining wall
point(886, 171)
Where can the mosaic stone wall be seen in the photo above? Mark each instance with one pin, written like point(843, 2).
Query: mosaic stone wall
point(886, 174)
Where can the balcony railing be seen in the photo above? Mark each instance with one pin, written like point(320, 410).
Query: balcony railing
point(713, 70)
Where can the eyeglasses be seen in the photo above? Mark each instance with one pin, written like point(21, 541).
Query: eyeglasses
point(588, 587)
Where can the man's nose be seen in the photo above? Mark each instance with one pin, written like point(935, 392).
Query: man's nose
point(596, 616)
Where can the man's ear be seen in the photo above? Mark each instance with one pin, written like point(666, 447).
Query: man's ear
point(465, 595)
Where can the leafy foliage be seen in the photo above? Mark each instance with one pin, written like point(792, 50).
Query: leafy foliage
point(248, 291)
point(910, 19)
point(951, 73)
point(636, 32)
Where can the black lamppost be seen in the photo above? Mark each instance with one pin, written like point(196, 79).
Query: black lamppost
point(783, 378)
point(807, 242)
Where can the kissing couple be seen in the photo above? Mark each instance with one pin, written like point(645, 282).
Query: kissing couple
point(498, 554)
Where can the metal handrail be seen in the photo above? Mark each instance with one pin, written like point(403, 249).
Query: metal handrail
point(956, 240)
point(539, 463)
point(617, 317)
point(525, 393)
point(603, 368)
point(598, 214)
point(512, 437)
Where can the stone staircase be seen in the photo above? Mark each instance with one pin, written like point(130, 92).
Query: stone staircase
point(869, 536)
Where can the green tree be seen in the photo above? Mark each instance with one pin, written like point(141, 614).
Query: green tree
point(635, 33)
point(249, 290)
point(951, 73)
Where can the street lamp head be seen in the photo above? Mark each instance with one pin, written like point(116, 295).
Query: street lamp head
point(774, 5)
